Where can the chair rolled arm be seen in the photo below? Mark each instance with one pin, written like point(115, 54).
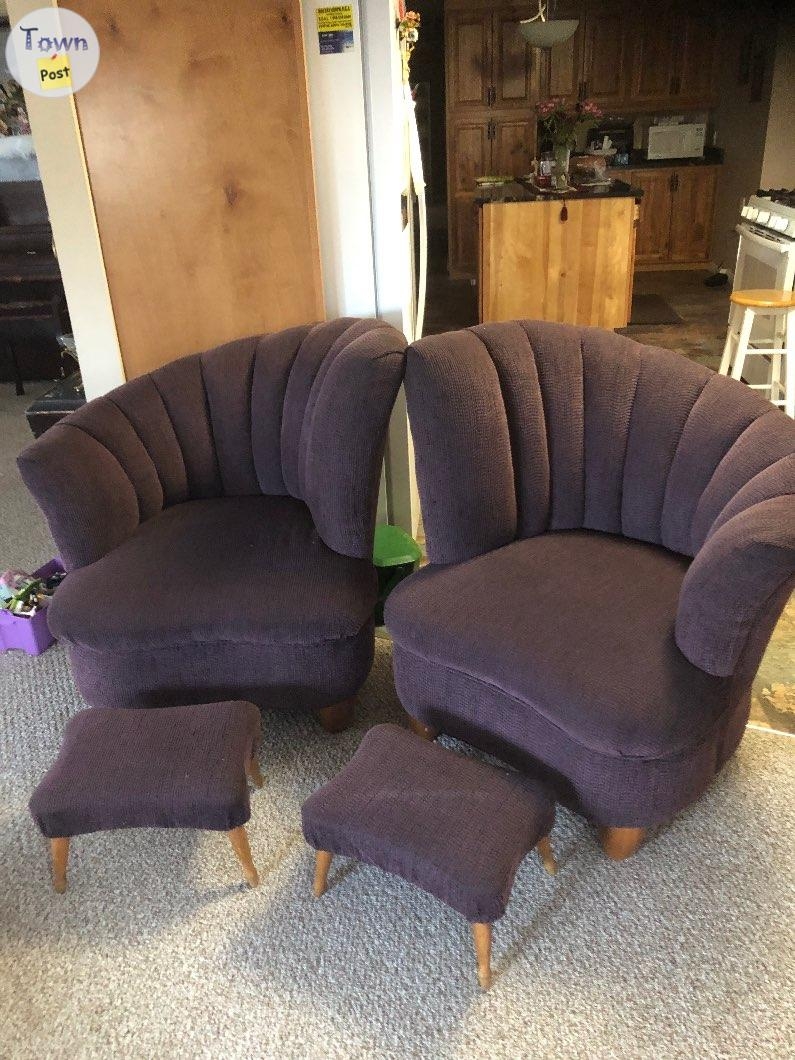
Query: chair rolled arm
point(86, 496)
point(346, 436)
point(736, 581)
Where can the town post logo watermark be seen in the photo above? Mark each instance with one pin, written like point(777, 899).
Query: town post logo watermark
point(52, 51)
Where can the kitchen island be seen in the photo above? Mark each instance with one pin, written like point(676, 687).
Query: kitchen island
point(567, 257)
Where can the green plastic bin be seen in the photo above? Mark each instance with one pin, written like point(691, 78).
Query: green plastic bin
point(395, 554)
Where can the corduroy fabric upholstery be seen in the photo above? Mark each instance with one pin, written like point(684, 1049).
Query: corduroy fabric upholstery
point(455, 827)
point(182, 767)
point(613, 661)
point(217, 516)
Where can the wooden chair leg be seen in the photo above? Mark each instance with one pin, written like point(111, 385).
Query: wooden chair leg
point(481, 934)
point(239, 841)
point(59, 850)
point(427, 732)
point(323, 861)
point(621, 843)
point(254, 773)
point(547, 855)
point(337, 716)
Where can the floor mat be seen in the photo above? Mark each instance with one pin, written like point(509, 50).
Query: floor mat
point(648, 309)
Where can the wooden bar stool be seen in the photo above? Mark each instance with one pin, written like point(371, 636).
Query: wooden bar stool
point(746, 307)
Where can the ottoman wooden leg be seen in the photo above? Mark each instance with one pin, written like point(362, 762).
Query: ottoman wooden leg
point(336, 717)
point(481, 933)
point(239, 841)
point(547, 855)
point(620, 843)
point(322, 864)
point(59, 849)
point(427, 732)
point(254, 773)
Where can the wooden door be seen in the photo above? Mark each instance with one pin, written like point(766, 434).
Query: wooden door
point(513, 145)
point(696, 42)
point(469, 156)
point(196, 139)
point(517, 67)
point(564, 76)
point(653, 233)
point(604, 63)
point(692, 210)
point(653, 77)
point(468, 50)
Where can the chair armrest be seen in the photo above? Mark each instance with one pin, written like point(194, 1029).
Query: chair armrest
point(737, 579)
point(345, 436)
point(86, 496)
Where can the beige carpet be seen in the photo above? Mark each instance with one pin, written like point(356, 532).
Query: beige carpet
point(157, 950)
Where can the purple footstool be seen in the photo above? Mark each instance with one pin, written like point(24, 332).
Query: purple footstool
point(171, 767)
point(455, 827)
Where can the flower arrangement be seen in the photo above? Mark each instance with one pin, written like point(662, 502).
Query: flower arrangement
point(561, 122)
point(408, 25)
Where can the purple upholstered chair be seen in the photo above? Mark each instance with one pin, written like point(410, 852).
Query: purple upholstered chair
point(611, 530)
point(216, 518)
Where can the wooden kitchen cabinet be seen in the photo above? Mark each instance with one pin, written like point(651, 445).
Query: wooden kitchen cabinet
point(692, 211)
point(494, 81)
point(567, 261)
point(674, 55)
point(676, 214)
point(468, 60)
point(593, 63)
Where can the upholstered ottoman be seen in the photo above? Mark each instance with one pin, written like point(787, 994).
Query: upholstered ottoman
point(455, 827)
point(170, 767)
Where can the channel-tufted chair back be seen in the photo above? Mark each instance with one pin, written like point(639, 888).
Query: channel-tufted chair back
point(526, 427)
point(301, 412)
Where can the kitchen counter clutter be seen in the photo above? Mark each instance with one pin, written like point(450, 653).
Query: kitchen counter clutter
point(521, 190)
point(560, 256)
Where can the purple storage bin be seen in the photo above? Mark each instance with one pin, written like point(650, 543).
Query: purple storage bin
point(29, 634)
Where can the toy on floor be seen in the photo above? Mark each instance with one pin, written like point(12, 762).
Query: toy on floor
point(23, 607)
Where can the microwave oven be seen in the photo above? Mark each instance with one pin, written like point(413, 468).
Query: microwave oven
point(676, 141)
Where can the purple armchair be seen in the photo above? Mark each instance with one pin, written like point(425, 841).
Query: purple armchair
point(611, 530)
point(216, 518)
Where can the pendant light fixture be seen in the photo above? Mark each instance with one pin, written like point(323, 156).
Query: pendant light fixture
point(542, 32)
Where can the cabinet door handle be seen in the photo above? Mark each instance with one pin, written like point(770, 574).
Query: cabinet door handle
point(492, 95)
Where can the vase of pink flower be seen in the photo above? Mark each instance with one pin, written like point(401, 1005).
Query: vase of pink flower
point(561, 122)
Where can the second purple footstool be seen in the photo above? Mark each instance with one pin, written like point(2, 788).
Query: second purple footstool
point(456, 827)
point(166, 767)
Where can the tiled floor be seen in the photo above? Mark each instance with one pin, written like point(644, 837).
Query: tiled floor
point(700, 336)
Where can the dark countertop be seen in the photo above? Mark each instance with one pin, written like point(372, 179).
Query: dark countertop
point(518, 191)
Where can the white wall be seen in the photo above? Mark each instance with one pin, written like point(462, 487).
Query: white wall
point(778, 164)
point(74, 227)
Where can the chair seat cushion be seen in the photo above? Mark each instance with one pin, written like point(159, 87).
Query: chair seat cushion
point(454, 826)
point(178, 767)
point(577, 627)
point(232, 569)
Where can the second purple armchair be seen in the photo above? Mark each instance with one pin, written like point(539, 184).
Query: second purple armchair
point(216, 518)
point(611, 535)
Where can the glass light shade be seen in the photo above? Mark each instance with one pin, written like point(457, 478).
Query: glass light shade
point(545, 34)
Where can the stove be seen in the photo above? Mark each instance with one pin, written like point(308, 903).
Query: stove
point(765, 259)
point(770, 214)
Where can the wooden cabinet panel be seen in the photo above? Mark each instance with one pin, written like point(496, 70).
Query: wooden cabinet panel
point(692, 212)
point(654, 224)
point(192, 232)
point(652, 79)
point(470, 154)
point(564, 74)
point(469, 63)
point(517, 67)
point(463, 236)
point(696, 46)
point(536, 264)
point(604, 64)
point(513, 146)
